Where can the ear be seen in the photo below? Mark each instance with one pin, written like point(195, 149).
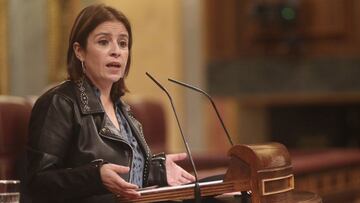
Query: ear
point(79, 52)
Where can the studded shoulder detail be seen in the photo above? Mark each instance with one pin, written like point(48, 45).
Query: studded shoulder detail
point(83, 96)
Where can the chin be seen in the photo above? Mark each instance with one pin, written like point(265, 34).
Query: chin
point(115, 79)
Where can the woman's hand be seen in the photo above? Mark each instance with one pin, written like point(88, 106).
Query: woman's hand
point(174, 173)
point(115, 184)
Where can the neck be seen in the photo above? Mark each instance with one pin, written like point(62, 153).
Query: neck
point(105, 96)
point(104, 88)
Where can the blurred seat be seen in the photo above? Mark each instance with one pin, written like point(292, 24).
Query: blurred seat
point(14, 120)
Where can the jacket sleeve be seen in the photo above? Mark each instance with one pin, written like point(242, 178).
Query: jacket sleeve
point(157, 172)
point(52, 126)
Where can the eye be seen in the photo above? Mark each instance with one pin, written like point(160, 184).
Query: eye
point(103, 42)
point(123, 44)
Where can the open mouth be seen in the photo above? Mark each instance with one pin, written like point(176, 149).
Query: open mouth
point(113, 65)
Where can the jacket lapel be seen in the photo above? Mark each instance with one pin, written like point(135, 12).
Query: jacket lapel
point(90, 104)
point(86, 98)
point(136, 127)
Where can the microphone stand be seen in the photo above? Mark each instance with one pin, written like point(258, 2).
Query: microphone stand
point(197, 192)
point(212, 102)
point(245, 193)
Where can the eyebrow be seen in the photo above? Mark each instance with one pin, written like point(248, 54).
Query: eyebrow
point(107, 34)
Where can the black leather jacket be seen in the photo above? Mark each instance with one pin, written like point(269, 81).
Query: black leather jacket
point(68, 140)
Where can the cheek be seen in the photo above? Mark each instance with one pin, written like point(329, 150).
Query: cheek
point(99, 54)
point(126, 57)
point(126, 54)
point(96, 57)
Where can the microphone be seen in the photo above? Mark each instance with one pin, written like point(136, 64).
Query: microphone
point(197, 186)
point(212, 102)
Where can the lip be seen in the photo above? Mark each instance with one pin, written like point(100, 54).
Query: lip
point(113, 64)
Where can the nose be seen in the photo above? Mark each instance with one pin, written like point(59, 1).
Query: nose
point(115, 50)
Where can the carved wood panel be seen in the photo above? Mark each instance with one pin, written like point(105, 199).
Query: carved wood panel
point(282, 28)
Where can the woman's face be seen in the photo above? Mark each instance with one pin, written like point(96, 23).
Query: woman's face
point(106, 53)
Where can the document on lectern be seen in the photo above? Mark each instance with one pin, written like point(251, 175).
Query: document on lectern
point(152, 189)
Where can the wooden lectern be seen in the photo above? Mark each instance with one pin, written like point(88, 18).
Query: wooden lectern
point(265, 170)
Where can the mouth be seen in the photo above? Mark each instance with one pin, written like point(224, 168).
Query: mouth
point(113, 65)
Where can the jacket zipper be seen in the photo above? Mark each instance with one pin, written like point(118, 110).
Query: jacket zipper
point(147, 155)
point(131, 151)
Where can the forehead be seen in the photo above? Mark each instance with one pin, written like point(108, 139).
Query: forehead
point(110, 27)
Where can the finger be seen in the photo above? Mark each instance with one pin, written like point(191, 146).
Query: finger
point(126, 192)
point(120, 169)
point(175, 183)
point(183, 180)
point(126, 185)
point(188, 176)
point(117, 185)
point(122, 183)
point(176, 157)
point(131, 194)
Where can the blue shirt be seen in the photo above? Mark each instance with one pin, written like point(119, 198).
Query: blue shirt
point(138, 157)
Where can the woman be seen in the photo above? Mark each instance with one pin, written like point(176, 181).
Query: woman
point(84, 144)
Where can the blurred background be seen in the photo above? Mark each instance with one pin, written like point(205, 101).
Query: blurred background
point(279, 70)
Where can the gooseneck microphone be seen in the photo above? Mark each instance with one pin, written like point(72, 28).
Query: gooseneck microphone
point(212, 102)
point(197, 186)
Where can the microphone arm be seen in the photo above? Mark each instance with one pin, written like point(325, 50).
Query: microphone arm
point(197, 186)
point(212, 102)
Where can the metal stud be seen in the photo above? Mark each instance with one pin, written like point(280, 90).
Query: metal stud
point(83, 96)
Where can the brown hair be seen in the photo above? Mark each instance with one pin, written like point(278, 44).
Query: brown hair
point(87, 20)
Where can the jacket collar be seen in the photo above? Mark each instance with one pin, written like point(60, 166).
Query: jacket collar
point(88, 101)
point(125, 107)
